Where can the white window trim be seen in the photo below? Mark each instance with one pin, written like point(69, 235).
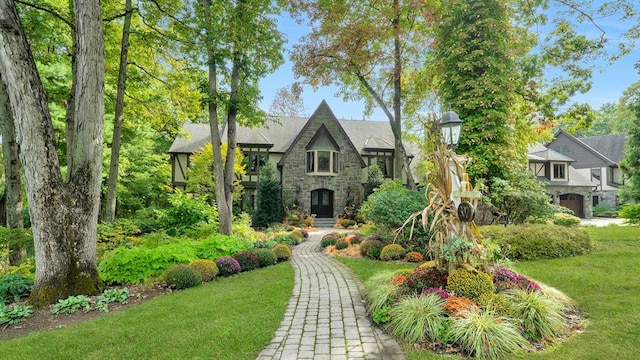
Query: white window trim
point(315, 171)
point(566, 171)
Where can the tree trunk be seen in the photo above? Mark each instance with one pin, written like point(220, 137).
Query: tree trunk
point(64, 216)
point(112, 181)
point(13, 185)
point(70, 123)
point(401, 160)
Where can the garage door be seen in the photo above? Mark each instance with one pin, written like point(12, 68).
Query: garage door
point(574, 202)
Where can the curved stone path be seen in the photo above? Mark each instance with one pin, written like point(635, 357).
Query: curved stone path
point(326, 316)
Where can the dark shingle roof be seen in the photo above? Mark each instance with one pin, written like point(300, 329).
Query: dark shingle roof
point(280, 132)
point(540, 153)
point(611, 146)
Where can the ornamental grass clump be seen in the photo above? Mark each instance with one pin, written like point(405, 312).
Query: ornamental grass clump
point(416, 319)
point(380, 290)
point(228, 266)
point(207, 269)
point(484, 335)
point(392, 252)
point(282, 252)
point(539, 315)
point(182, 277)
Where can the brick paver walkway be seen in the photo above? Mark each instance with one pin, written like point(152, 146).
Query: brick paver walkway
point(326, 316)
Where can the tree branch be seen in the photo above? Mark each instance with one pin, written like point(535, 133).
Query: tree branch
point(148, 73)
point(49, 11)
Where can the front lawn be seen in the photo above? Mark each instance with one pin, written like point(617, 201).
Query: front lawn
point(229, 318)
point(604, 283)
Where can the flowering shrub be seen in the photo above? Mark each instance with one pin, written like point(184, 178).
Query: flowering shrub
point(399, 280)
point(506, 279)
point(414, 256)
point(247, 260)
point(228, 266)
point(456, 304)
point(443, 294)
point(424, 278)
point(353, 239)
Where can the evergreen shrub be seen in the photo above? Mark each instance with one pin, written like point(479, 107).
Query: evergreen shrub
point(342, 244)
point(534, 242)
point(207, 269)
point(371, 249)
point(565, 219)
point(392, 252)
point(182, 277)
point(282, 252)
point(266, 257)
point(465, 283)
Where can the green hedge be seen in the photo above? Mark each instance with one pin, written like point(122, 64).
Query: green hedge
point(532, 242)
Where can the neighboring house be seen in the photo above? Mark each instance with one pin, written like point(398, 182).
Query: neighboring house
point(319, 159)
point(597, 158)
point(580, 173)
point(564, 184)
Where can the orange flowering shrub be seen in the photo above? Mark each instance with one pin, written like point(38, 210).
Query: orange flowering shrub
point(399, 280)
point(455, 304)
point(414, 256)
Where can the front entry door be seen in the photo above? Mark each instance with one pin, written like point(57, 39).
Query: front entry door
point(322, 203)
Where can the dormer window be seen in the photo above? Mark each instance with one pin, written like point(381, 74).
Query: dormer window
point(559, 172)
point(323, 155)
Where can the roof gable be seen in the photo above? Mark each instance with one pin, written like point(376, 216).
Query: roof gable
point(584, 155)
point(322, 114)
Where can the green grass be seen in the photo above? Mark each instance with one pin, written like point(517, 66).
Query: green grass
point(229, 318)
point(604, 283)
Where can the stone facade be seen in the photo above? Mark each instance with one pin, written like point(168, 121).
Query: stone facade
point(295, 179)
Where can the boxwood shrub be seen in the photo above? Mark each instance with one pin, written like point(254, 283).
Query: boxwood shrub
point(532, 242)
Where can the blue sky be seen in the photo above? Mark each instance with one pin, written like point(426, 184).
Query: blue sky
point(609, 80)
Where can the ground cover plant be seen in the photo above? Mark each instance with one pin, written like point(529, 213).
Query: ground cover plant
point(230, 318)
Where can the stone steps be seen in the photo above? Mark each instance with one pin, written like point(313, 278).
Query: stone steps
point(324, 222)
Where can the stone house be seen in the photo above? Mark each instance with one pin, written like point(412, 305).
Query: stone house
point(319, 159)
point(580, 172)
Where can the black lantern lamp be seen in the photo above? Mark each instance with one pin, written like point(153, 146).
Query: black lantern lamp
point(450, 126)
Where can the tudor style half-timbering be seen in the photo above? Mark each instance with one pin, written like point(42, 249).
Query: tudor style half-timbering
point(319, 158)
point(595, 158)
point(580, 173)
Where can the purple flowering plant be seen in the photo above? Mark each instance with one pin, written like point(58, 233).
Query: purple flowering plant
point(434, 290)
point(228, 266)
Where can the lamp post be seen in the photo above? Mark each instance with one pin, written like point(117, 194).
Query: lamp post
point(450, 126)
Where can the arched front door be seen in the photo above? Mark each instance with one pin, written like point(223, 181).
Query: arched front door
point(322, 203)
point(574, 202)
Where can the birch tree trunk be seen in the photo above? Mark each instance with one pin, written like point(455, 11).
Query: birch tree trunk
point(112, 181)
point(63, 216)
point(13, 184)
